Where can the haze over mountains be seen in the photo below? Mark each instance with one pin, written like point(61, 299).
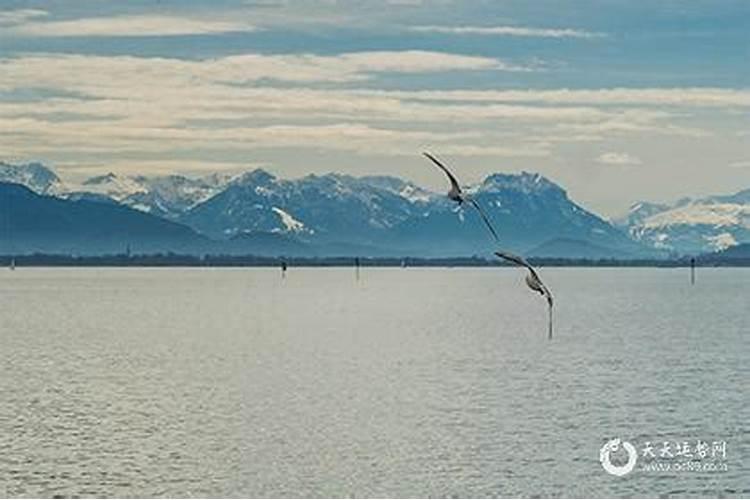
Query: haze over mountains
point(335, 214)
point(33, 223)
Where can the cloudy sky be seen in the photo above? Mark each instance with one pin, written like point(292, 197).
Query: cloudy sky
point(616, 100)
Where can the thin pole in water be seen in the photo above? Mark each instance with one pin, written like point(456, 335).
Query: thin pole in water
point(356, 267)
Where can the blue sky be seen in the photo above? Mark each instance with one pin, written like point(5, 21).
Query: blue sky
point(616, 100)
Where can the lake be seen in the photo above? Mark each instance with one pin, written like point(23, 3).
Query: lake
point(409, 382)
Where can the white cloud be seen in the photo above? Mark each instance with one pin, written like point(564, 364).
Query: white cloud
point(118, 71)
point(40, 138)
point(157, 102)
point(130, 26)
point(622, 159)
point(634, 124)
point(156, 106)
point(740, 164)
point(18, 16)
point(507, 31)
point(419, 61)
point(170, 91)
point(703, 97)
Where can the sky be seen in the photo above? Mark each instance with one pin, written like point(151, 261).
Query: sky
point(618, 101)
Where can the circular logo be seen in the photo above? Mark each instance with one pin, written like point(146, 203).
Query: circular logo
point(612, 446)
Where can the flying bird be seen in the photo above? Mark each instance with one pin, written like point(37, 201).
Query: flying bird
point(457, 194)
point(533, 281)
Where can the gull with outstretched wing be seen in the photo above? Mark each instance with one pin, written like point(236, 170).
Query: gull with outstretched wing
point(457, 194)
point(533, 281)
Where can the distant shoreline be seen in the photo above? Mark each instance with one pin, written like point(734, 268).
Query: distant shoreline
point(174, 260)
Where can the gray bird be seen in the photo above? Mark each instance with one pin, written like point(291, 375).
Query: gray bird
point(533, 281)
point(456, 194)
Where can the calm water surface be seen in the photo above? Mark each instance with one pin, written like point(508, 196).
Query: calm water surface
point(410, 382)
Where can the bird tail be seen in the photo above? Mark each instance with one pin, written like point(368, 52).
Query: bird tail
point(549, 333)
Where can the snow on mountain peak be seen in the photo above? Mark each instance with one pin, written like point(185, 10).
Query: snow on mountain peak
point(721, 241)
point(35, 176)
point(113, 186)
point(257, 176)
point(715, 214)
point(415, 194)
point(100, 179)
point(166, 195)
point(399, 187)
point(291, 224)
point(525, 182)
point(692, 225)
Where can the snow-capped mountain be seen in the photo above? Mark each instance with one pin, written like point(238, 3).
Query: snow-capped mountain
point(167, 196)
point(527, 209)
point(34, 176)
point(692, 226)
point(328, 208)
point(338, 214)
point(639, 212)
point(402, 188)
point(387, 214)
point(112, 186)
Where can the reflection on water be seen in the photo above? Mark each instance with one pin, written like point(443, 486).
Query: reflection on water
point(408, 382)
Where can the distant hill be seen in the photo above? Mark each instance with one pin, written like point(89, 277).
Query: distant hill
point(739, 254)
point(574, 249)
point(30, 223)
point(267, 244)
point(742, 251)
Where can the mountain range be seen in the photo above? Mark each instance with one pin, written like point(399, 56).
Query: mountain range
point(691, 226)
point(334, 214)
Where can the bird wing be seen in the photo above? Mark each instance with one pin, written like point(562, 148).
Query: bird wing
point(520, 261)
point(536, 280)
point(484, 218)
point(542, 288)
point(454, 182)
point(544, 291)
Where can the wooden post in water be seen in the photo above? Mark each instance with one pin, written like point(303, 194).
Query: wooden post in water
point(356, 267)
